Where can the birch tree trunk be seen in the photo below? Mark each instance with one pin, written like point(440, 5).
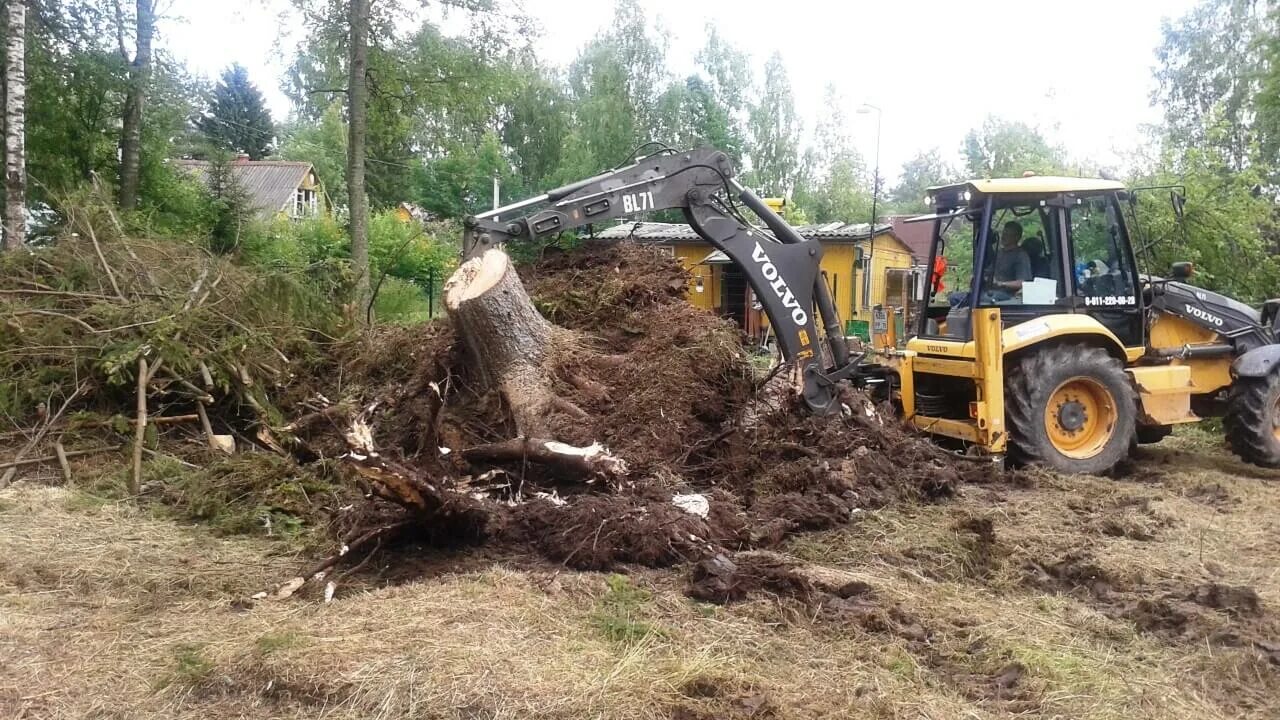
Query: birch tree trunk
point(136, 99)
point(357, 200)
point(15, 154)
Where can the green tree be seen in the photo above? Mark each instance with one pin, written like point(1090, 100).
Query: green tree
point(237, 119)
point(537, 124)
point(1212, 62)
point(324, 145)
point(689, 114)
point(1229, 230)
point(1005, 148)
point(834, 184)
point(925, 170)
point(427, 92)
point(775, 133)
point(615, 83)
point(460, 182)
point(709, 107)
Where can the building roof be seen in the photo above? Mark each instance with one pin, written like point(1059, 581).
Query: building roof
point(916, 236)
point(1034, 184)
point(270, 184)
point(668, 232)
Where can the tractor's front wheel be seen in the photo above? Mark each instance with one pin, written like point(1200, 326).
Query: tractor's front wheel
point(1252, 421)
point(1069, 407)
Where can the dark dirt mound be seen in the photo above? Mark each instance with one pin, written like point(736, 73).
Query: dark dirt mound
point(1131, 517)
point(723, 700)
point(663, 385)
point(1235, 600)
point(1226, 616)
point(722, 579)
point(1157, 616)
point(1000, 684)
point(597, 532)
point(1074, 574)
point(831, 601)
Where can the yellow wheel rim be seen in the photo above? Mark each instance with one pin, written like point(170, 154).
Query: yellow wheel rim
point(1080, 417)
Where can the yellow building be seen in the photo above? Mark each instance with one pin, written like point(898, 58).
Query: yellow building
point(717, 285)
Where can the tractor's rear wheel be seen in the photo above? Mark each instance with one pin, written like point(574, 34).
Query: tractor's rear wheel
point(1252, 421)
point(1069, 407)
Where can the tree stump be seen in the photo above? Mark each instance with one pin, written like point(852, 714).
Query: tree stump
point(508, 340)
point(514, 349)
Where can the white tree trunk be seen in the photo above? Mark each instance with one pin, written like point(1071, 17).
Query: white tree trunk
point(15, 102)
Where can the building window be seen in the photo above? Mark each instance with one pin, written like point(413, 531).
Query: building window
point(305, 203)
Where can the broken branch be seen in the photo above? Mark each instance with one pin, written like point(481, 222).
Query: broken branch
point(592, 460)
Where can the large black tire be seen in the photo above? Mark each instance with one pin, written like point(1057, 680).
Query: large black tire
point(1074, 378)
point(1250, 422)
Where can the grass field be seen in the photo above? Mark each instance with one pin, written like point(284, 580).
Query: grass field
point(1153, 595)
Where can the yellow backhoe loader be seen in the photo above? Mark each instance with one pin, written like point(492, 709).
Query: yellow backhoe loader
point(1070, 364)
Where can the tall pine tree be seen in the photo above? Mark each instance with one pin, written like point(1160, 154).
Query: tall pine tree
point(237, 119)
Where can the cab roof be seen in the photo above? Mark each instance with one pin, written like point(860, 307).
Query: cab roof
point(1033, 185)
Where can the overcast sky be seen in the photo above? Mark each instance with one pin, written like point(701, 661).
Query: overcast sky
point(1080, 70)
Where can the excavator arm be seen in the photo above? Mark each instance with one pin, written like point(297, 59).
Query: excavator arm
point(781, 266)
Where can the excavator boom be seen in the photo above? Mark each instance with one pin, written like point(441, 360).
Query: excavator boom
point(780, 265)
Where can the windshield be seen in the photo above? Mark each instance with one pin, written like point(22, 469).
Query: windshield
point(1021, 264)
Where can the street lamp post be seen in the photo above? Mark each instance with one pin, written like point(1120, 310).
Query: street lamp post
point(865, 109)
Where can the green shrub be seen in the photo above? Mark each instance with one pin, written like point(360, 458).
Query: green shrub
point(401, 302)
point(173, 203)
point(411, 251)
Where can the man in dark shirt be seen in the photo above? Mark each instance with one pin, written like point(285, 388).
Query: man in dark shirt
point(1011, 268)
point(1012, 265)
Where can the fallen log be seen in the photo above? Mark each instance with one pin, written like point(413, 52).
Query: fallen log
point(592, 461)
point(52, 458)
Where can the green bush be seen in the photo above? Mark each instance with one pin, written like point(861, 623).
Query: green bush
point(411, 251)
point(401, 302)
point(287, 243)
point(173, 203)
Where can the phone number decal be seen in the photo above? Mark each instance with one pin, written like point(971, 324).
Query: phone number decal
point(1111, 300)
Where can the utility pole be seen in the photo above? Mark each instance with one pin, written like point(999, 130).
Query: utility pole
point(495, 192)
point(875, 195)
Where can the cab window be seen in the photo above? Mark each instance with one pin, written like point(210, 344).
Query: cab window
point(1100, 265)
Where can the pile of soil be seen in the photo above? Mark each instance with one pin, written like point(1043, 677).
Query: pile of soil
point(718, 460)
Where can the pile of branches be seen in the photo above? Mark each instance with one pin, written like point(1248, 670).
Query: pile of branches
point(100, 330)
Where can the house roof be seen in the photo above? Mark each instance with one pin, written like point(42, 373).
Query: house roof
point(270, 184)
point(916, 236)
point(668, 232)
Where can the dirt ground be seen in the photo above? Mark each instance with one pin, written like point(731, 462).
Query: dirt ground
point(1152, 595)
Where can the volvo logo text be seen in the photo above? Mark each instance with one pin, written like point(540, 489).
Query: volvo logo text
point(779, 285)
point(1207, 317)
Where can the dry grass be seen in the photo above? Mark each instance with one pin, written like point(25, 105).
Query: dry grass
point(108, 612)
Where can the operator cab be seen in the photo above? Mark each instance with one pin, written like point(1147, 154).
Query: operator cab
point(1031, 246)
